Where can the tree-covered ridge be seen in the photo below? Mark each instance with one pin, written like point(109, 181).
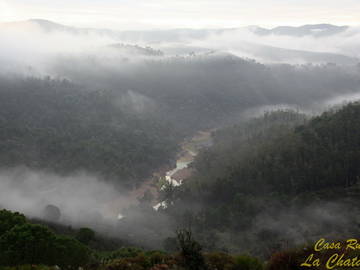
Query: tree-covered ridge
point(23, 244)
point(210, 89)
point(286, 154)
point(236, 144)
point(54, 125)
point(275, 180)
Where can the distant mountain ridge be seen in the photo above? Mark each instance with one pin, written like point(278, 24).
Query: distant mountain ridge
point(183, 41)
point(317, 30)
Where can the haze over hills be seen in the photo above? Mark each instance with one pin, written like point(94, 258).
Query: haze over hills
point(139, 133)
point(283, 44)
point(319, 30)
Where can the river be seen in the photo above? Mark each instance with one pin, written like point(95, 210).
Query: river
point(189, 150)
point(174, 175)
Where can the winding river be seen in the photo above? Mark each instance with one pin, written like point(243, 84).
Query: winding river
point(175, 176)
point(189, 150)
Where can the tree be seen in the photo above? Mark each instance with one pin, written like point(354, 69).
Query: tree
point(190, 251)
point(85, 235)
point(9, 219)
point(245, 262)
point(52, 213)
point(70, 252)
point(27, 244)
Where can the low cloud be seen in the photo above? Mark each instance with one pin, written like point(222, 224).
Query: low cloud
point(81, 198)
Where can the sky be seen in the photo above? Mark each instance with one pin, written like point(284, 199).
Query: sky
point(167, 14)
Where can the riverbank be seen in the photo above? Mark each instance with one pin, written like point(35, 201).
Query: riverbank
point(174, 174)
point(189, 150)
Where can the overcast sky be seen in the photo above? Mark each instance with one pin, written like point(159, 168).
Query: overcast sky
point(152, 14)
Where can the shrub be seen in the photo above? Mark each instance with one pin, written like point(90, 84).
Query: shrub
point(85, 235)
point(283, 261)
point(245, 262)
point(219, 261)
point(9, 219)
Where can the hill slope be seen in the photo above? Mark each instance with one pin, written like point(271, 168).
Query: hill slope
point(274, 181)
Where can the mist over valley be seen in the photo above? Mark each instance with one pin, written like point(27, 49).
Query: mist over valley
point(243, 140)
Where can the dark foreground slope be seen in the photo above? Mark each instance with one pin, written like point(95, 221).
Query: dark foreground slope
point(27, 246)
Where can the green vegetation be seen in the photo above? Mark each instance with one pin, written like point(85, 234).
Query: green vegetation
point(53, 125)
point(25, 243)
point(190, 251)
point(26, 246)
point(265, 181)
point(10, 220)
point(273, 156)
point(85, 235)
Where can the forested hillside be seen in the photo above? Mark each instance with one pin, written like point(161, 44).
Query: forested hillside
point(208, 90)
point(24, 245)
point(58, 126)
point(111, 123)
point(256, 175)
point(233, 202)
point(179, 135)
point(275, 181)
